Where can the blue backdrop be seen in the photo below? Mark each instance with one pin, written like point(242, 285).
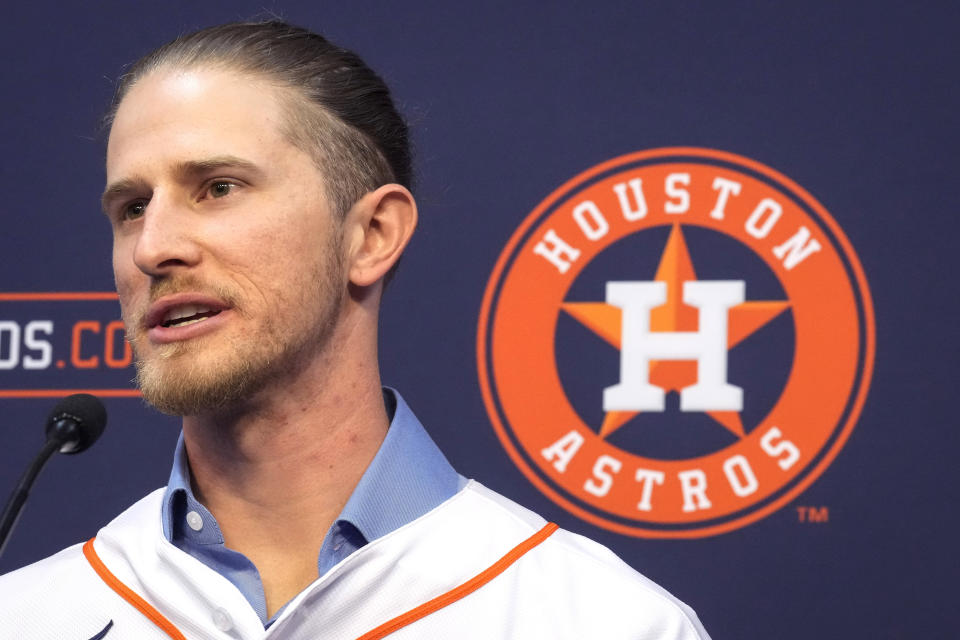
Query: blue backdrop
point(856, 103)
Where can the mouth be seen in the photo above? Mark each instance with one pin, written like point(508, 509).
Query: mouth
point(187, 314)
point(181, 311)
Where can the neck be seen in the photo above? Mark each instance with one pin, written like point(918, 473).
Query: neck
point(311, 453)
point(277, 473)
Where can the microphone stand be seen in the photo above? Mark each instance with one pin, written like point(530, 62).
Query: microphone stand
point(61, 437)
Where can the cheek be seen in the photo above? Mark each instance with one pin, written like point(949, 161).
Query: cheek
point(284, 225)
point(121, 276)
point(278, 250)
point(127, 278)
point(129, 305)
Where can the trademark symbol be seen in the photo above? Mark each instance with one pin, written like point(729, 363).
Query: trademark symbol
point(813, 514)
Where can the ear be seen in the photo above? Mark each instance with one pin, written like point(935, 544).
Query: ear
point(380, 225)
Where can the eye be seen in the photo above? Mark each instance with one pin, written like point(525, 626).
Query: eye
point(134, 210)
point(220, 188)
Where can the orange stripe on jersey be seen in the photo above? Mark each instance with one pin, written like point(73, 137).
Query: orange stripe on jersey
point(127, 594)
point(463, 590)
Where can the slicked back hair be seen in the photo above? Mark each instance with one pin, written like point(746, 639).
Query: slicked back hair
point(339, 110)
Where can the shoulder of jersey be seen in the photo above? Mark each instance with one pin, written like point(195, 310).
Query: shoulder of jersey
point(62, 585)
point(51, 590)
point(571, 575)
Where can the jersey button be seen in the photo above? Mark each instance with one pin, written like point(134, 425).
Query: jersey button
point(222, 620)
point(195, 521)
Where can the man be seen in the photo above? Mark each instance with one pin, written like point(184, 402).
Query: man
point(258, 188)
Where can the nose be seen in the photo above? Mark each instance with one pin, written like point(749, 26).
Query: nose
point(166, 240)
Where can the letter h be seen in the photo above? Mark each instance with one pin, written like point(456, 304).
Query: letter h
point(708, 346)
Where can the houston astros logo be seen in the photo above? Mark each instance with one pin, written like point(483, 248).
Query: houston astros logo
point(676, 343)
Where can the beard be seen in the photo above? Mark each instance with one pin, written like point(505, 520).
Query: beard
point(220, 373)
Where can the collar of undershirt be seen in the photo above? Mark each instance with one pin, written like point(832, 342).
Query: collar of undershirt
point(408, 477)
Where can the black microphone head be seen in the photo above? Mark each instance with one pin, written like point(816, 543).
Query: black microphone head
point(86, 412)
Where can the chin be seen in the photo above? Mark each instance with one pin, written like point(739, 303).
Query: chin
point(177, 382)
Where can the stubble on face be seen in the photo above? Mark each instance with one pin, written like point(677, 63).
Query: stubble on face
point(220, 373)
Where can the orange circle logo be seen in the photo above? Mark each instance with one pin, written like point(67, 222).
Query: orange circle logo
point(675, 343)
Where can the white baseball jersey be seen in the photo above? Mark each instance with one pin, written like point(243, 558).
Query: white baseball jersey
point(476, 567)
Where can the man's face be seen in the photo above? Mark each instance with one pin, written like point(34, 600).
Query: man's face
point(226, 254)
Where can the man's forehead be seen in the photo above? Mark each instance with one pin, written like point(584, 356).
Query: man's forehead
point(193, 80)
point(204, 94)
point(192, 116)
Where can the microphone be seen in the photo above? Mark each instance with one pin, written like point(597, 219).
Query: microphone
point(74, 424)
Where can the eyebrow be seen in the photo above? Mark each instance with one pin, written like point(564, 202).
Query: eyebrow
point(183, 170)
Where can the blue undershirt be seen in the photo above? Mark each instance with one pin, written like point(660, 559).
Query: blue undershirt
point(408, 477)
